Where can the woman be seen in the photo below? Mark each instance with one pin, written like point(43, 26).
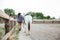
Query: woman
point(20, 20)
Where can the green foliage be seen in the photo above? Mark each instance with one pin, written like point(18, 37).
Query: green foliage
point(31, 13)
point(9, 11)
point(38, 15)
point(15, 16)
point(48, 17)
point(1, 32)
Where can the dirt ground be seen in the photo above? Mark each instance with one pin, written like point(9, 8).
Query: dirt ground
point(42, 32)
point(45, 31)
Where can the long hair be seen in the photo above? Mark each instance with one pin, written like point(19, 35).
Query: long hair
point(19, 14)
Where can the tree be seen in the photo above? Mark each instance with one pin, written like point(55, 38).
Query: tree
point(31, 13)
point(48, 17)
point(39, 15)
point(15, 16)
point(9, 11)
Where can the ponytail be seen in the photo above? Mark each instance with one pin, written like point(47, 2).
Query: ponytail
point(19, 14)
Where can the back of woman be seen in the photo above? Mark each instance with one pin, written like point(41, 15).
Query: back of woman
point(20, 20)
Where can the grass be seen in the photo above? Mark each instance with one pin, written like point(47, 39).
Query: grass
point(1, 32)
point(16, 33)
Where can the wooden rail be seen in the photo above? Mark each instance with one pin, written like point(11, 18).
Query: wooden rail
point(8, 35)
point(8, 32)
point(3, 15)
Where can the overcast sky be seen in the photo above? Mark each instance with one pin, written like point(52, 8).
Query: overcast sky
point(47, 7)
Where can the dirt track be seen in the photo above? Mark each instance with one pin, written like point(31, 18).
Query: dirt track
point(45, 31)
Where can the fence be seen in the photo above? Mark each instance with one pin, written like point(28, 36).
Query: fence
point(49, 21)
point(6, 19)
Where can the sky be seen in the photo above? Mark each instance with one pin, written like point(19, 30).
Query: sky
point(47, 7)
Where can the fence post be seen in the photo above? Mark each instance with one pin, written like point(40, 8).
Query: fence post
point(7, 26)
